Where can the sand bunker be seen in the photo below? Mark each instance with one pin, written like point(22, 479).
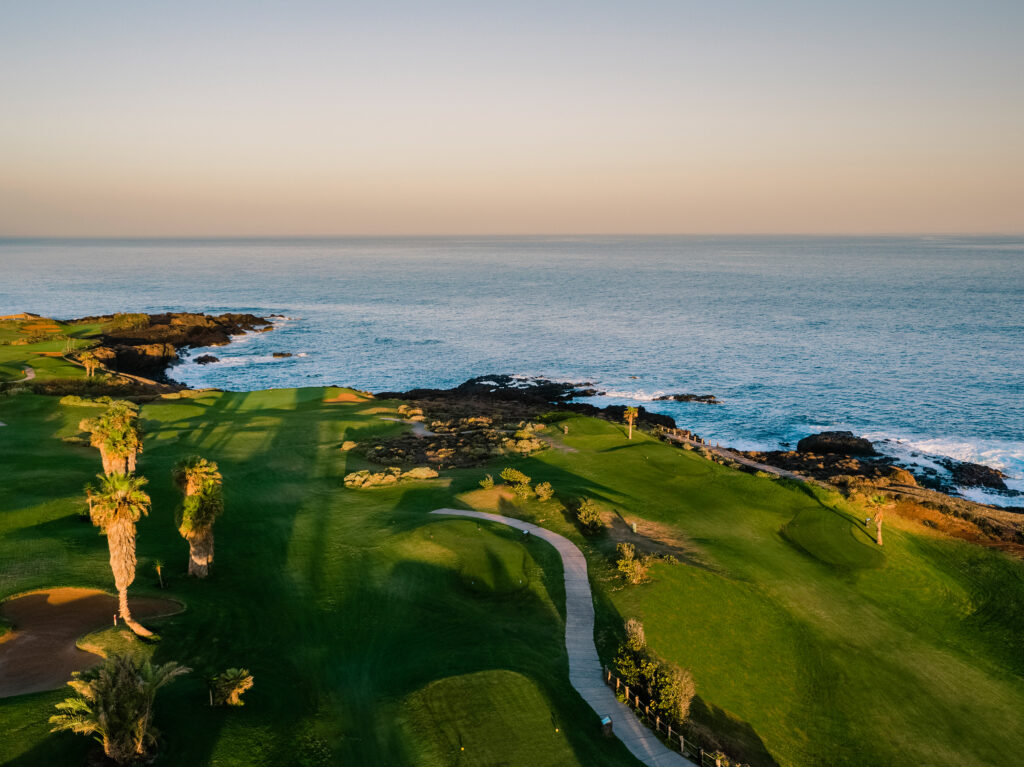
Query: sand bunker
point(40, 653)
point(347, 396)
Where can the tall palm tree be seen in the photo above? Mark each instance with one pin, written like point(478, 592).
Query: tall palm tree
point(631, 414)
point(200, 481)
point(117, 436)
point(115, 506)
point(115, 705)
point(90, 362)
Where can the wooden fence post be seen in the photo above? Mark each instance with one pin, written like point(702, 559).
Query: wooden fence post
point(657, 723)
point(616, 684)
point(627, 693)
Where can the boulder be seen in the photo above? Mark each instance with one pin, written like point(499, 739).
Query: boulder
point(836, 442)
point(281, 355)
point(707, 399)
point(898, 476)
point(206, 359)
point(968, 474)
point(420, 472)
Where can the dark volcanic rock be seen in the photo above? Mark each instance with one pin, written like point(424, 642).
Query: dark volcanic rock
point(532, 391)
point(968, 474)
point(837, 442)
point(281, 355)
point(534, 394)
point(206, 359)
point(707, 399)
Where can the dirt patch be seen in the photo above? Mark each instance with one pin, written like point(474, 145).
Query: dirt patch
point(652, 538)
point(556, 445)
point(40, 653)
point(347, 396)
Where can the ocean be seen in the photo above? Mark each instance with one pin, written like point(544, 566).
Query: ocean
point(914, 342)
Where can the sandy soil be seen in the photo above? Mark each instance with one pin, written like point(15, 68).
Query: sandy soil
point(40, 653)
point(347, 396)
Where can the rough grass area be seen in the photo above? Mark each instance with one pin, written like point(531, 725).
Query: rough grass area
point(380, 635)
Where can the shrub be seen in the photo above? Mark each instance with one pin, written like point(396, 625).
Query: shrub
point(487, 482)
point(227, 687)
point(589, 516)
point(673, 690)
point(522, 490)
point(544, 491)
point(633, 568)
point(514, 476)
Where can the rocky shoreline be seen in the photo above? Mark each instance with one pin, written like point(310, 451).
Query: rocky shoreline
point(148, 345)
point(530, 394)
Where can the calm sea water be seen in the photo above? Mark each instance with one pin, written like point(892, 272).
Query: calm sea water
point(919, 341)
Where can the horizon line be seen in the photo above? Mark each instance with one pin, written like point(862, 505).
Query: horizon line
point(455, 235)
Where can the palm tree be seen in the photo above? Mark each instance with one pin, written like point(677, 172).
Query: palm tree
point(227, 687)
point(631, 414)
point(90, 362)
point(115, 705)
point(115, 506)
point(116, 434)
point(200, 481)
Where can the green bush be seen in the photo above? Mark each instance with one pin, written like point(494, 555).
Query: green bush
point(589, 516)
point(514, 476)
point(487, 482)
point(544, 491)
point(632, 567)
point(522, 490)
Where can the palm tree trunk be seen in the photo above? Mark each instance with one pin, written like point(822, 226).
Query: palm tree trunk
point(630, 429)
point(113, 463)
point(121, 542)
point(200, 552)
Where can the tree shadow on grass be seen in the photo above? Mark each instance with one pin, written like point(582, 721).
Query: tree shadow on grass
point(730, 733)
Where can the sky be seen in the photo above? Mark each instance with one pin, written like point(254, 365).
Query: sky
point(398, 118)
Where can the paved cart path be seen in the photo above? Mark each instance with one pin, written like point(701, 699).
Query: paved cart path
point(585, 670)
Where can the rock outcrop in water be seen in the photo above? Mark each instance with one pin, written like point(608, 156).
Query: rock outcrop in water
point(968, 474)
point(706, 399)
point(836, 442)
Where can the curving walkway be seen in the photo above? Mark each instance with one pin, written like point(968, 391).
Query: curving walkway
point(585, 670)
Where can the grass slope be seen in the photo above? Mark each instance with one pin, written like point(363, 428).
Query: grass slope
point(379, 635)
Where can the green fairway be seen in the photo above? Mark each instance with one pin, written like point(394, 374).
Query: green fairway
point(380, 635)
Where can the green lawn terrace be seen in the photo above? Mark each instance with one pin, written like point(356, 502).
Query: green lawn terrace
point(380, 634)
